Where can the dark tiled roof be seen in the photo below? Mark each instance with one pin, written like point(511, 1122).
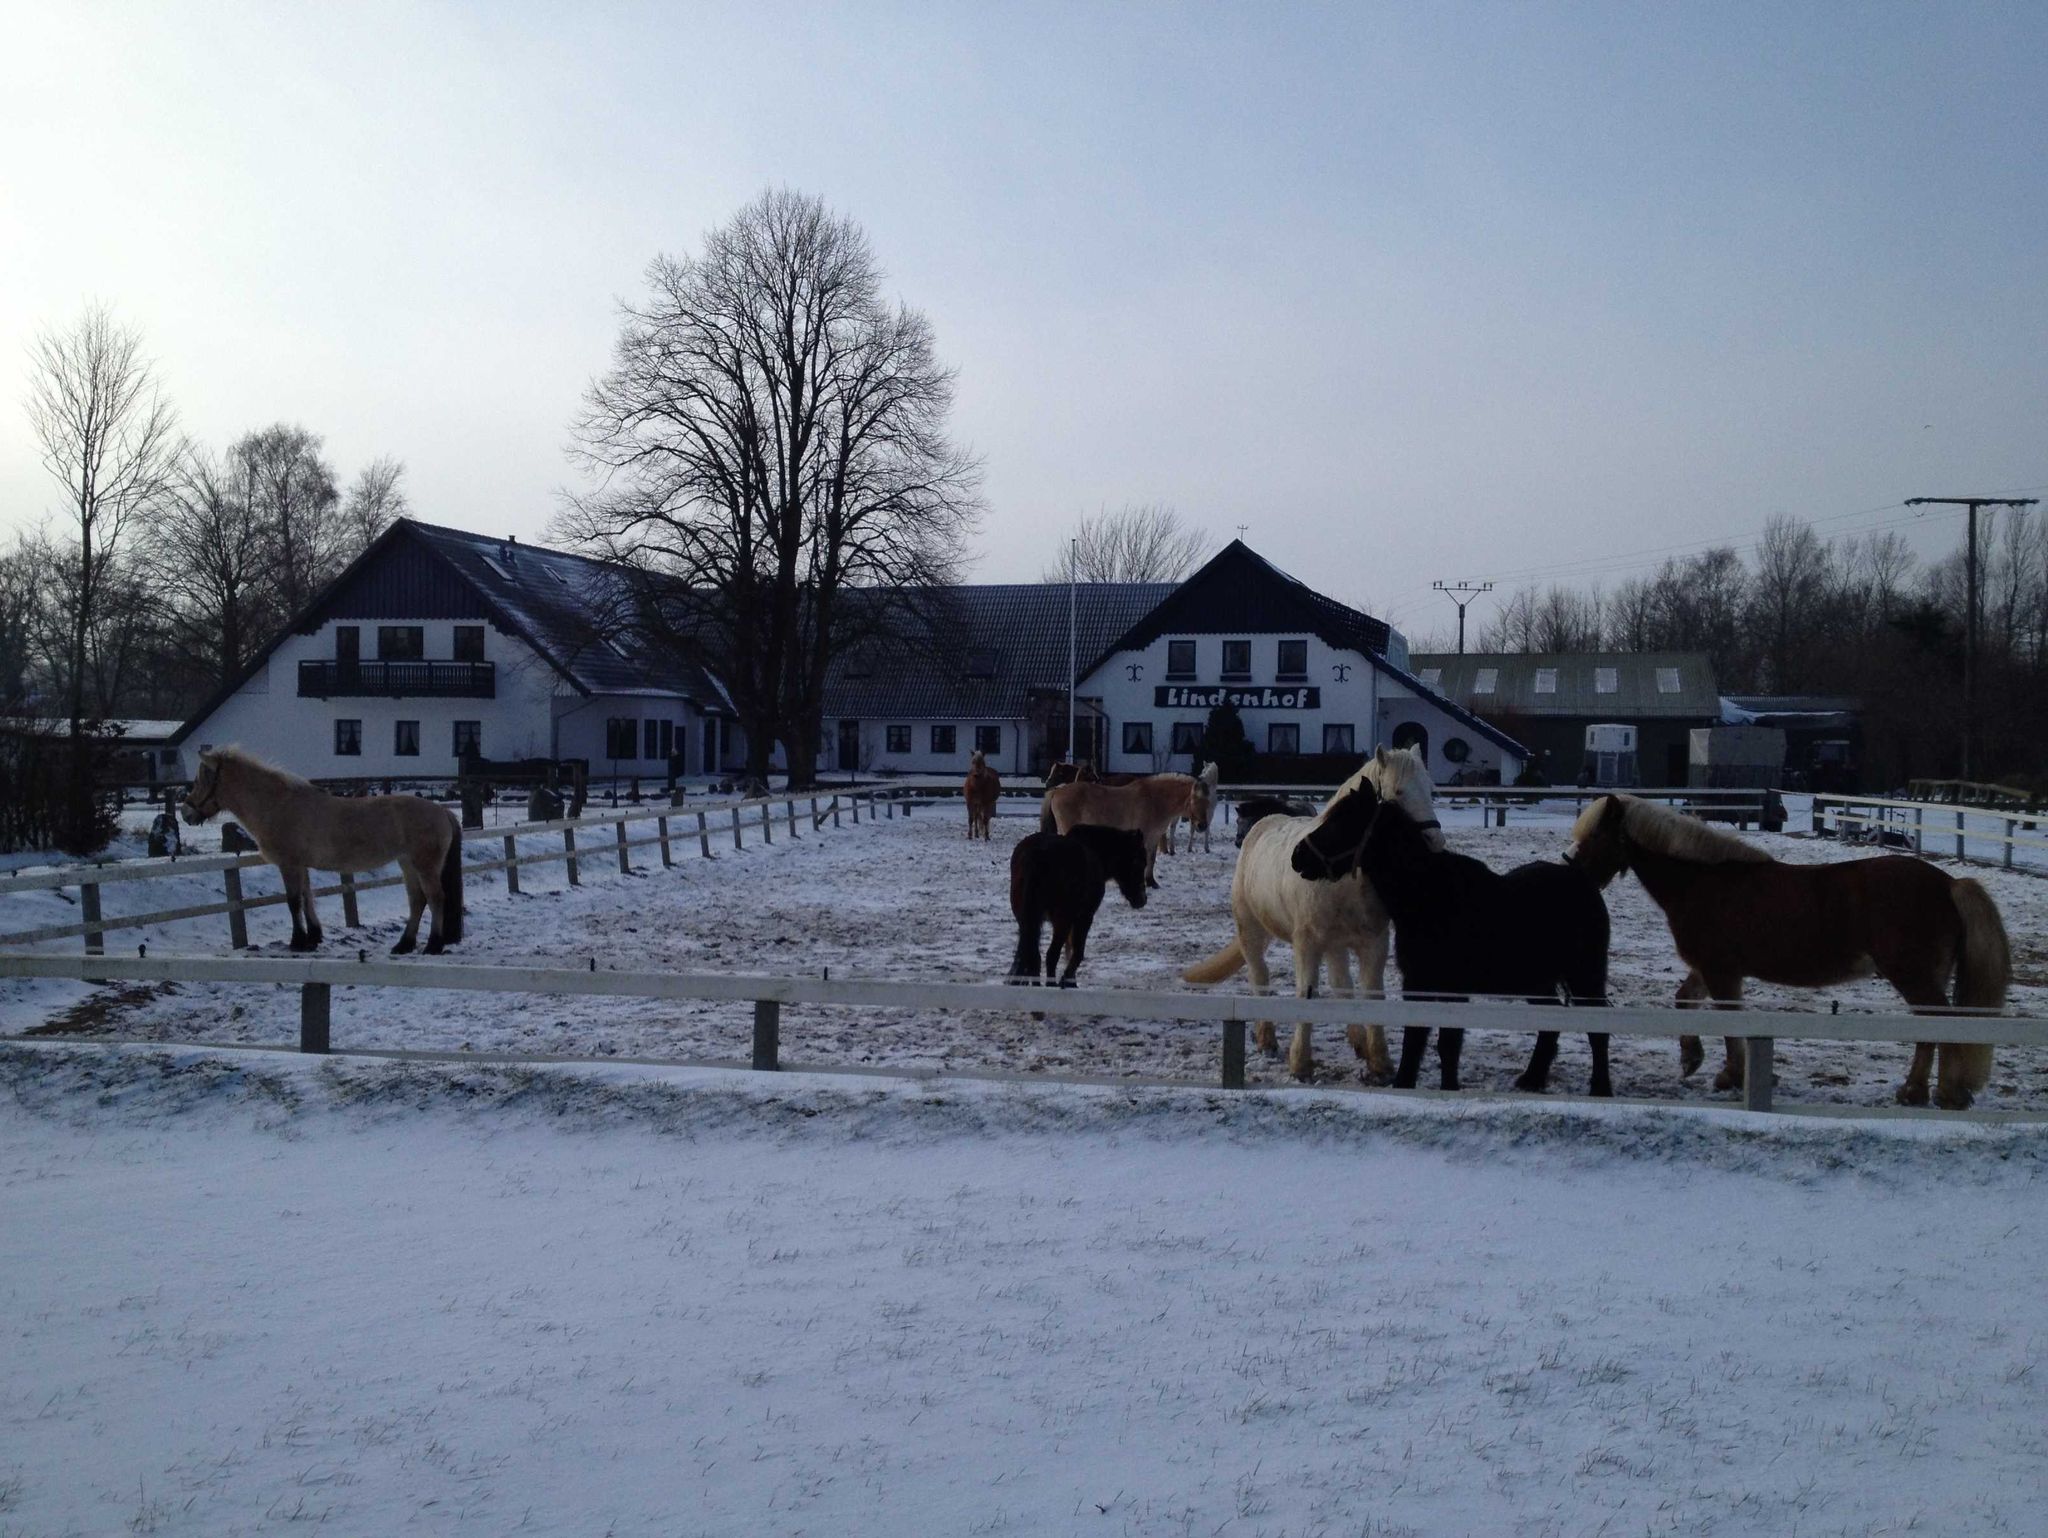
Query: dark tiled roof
point(1575, 677)
point(1014, 633)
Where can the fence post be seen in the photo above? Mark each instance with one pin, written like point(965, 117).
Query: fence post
point(792, 816)
point(767, 823)
point(736, 843)
point(853, 801)
point(2009, 824)
point(314, 1016)
point(1756, 1072)
point(835, 811)
point(625, 862)
point(1814, 808)
point(351, 915)
point(814, 814)
point(1961, 854)
point(767, 1035)
point(89, 905)
point(703, 836)
point(238, 921)
point(661, 832)
point(1919, 827)
point(1233, 1054)
point(575, 870)
point(511, 865)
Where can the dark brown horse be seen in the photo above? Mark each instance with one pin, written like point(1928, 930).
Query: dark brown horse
point(1061, 877)
point(1735, 912)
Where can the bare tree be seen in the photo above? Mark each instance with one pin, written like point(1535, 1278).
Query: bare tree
point(1787, 594)
point(375, 499)
point(1139, 542)
point(209, 556)
point(291, 491)
point(106, 434)
point(771, 461)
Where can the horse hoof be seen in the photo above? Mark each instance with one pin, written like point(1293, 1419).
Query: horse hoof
point(435, 948)
point(303, 945)
point(1068, 982)
point(1378, 1078)
point(1727, 1079)
point(403, 947)
point(1910, 1093)
point(1530, 1084)
point(1953, 1099)
point(1691, 1054)
point(1601, 1090)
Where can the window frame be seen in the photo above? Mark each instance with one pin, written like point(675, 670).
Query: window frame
point(416, 638)
point(1607, 680)
point(1243, 648)
point(399, 736)
point(467, 644)
point(1546, 681)
point(349, 743)
point(1187, 736)
point(988, 739)
point(1349, 730)
point(1138, 738)
point(1485, 680)
point(952, 739)
point(898, 736)
point(476, 735)
point(1292, 730)
point(1281, 671)
point(621, 731)
point(353, 652)
point(1175, 649)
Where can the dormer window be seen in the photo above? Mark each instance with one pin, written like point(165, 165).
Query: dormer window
point(1606, 680)
point(1546, 680)
point(1180, 659)
point(1667, 680)
point(1237, 659)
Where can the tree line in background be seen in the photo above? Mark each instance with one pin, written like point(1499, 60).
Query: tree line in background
point(1858, 616)
point(165, 566)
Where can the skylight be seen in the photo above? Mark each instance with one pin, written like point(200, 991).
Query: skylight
point(1667, 680)
point(1432, 678)
point(1484, 680)
point(1606, 681)
point(1546, 680)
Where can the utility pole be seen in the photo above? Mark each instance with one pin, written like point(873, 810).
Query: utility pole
point(1970, 604)
point(1073, 640)
point(1462, 594)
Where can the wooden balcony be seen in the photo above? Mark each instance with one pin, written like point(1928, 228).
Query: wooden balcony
point(397, 680)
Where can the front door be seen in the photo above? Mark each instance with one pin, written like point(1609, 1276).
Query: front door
point(849, 746)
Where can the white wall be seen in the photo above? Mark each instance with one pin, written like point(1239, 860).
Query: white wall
point(580, 732)
point(1011, 758)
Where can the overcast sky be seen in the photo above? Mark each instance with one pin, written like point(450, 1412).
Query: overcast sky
point(1410, 292)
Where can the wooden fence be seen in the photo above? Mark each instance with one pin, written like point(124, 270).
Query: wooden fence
point(1918, 822)
point(316, 979)
point(699, 825)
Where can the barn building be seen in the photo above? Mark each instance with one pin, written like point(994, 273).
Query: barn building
point(1548, 699)
point(434, 642)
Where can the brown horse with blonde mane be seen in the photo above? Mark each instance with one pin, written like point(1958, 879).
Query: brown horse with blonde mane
point(1151, 804)
point(1735, 912)
point(300, 827)
point(982, 787)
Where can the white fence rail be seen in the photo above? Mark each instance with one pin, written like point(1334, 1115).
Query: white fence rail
point(699, 824)
point(316, 979)
point(1920, 822)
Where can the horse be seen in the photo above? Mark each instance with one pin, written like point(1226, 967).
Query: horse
point(1323, 921)
point(1061, 877)
point(1249, 813)
point(298, 826)
point(982, 787)
point(1735, 912)
point(1461, 928)
point(1151, 804)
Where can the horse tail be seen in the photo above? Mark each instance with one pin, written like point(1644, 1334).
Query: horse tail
point(1983, 969)
point(1224, 963)
point(1027, 901)
point(451, 886)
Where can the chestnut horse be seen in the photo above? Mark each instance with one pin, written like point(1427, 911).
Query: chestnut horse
point(1151, 804)
point(1735, 912)
point(298, 826)
point(979, 792)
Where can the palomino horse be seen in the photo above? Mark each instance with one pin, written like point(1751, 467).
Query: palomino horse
point(982, 787)
point(1735, 912)
point(1151, 804)
point(1461, 928)
point(300, 827)
point(1061, 877)
point(1325, 921)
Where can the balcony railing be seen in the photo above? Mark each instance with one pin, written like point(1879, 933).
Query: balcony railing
point(432, 680)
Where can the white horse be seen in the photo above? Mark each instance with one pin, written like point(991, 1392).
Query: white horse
point(1325, 921)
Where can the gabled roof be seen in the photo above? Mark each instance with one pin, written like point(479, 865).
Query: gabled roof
point(983, 651)
point(549, 599)
point(1670, 685)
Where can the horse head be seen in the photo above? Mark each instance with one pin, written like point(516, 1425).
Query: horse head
point(203, 799)
point(1600, 840)
point(1401, 776)
point(1330, 850)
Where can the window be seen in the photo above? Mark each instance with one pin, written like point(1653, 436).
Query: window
point(348, 643)
point(1432, 678)
point(348, 739)
point(1187, 736)
point(401, 643)
point(1180, 659)
point(988, 739)
point(469, 738)
point(1606, 681)
point(469, 643)
point(1667, 680)
point(1283, 737)
point(899, 739)
point(1340, 738)
point(621, 734)
point(405, 739)
point(1138, 737)
point(944, 740)
point(668, 740)
point(1484, 680)
point(1293, 659)
point(981, 662)
point(650, 738)
point(1546, 680)
point(1237, 659)
point(1457, 749)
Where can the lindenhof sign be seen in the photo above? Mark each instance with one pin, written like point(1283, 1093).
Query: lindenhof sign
point(1181, 697)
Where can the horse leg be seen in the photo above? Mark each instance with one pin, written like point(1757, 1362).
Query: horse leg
point(295, 885)
point(1450, 1044)
point(1301, 1056)
point(1727, 994)
point(1923, 995)
point(1536, 1077)
point(314, 933)
point(416, 895)
point(1062, 927)
point(1414, 1042)
point(1691, 1053)
point(1253, 943)
point(1370, 1041)
point(1603, 1083)
point(1077, 947)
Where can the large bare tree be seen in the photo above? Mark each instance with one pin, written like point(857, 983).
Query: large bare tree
point(291, 491)
point(771, 461)
point(375, 498)
point(1138, 542)
point(108, 436)
point(210, 556)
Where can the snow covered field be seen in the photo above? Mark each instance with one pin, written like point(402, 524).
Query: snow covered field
point(912, 898)
point(246, 1293)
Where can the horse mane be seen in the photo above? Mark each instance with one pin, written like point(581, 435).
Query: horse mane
point(243, 758)
point(1401, 766)
point(1671, 833)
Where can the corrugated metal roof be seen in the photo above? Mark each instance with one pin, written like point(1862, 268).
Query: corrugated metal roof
point(1591, 685)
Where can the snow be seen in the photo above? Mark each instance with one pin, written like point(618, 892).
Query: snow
point(245, 1291)
point(911, 897)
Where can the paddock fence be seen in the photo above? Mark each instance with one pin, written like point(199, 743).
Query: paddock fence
point(1916, 824)
point(674, 826)
point(316, 979)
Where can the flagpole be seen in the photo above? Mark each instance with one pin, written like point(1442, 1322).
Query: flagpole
point(1073, 660)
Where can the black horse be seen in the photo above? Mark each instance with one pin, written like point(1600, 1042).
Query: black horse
point(1539, 932)
point(1061, 877)
point(1256, 810)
